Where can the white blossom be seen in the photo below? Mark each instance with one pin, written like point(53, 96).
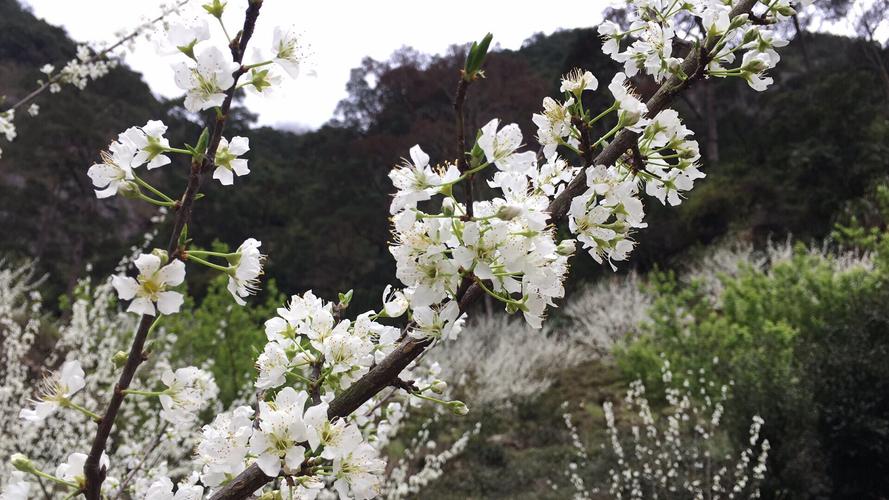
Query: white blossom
point(243, 280)
point(280, 431)
point(188, 391)
point(228, 162)
point(56, 391)
point(152, 286)
point(205, 83)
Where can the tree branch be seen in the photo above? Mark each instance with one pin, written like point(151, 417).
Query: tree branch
point(93, 473)
point(387, 371)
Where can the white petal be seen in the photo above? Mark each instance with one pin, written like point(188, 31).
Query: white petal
point(173, 273)
point(169, 302)
point(126, 287)
point(142, 305)
point(148, 263)
point(224, 176)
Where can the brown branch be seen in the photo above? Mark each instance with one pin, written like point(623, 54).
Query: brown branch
point(384, 373)
point(462, 165)
point(93, 473)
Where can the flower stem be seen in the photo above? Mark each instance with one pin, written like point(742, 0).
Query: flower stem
point(603, 114)
point(50, 477)
point(208, 264)
point(179, 150)
point(74, 406)
point(151, 188)
point(155, 202)
point(259, 64)
point(610, 133)
point(205, 253)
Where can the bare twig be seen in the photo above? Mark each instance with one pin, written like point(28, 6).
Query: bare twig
point(92, 471)
point(99, 55)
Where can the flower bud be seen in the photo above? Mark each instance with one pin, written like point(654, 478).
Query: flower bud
point(738, 21)
point(162, 255)
point(566, 247)
point(119, 359)
point(447, 207)
point(438, 386)
point(507, 212)
point(750, 36)
point(22, 463)
point(458, 407)
point(129, 190)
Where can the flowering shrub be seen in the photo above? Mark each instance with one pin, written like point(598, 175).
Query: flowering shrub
point(319, 413)
point(682, 454)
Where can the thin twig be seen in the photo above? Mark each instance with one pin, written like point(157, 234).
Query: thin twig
point(99, 55)
point(92, 471)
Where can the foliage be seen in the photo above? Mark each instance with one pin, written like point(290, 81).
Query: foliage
point(217, 332)
point(802, 339)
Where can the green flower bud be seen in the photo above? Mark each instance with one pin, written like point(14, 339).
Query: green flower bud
point(438, 386)
point(129, 190)
point(22, 463)
point(458, 407)
point(162, 255)
point(119, 359)
point(566, 247)
point(507, 212)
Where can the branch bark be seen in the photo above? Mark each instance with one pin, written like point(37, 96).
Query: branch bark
point(93, 473)
point(384, 373)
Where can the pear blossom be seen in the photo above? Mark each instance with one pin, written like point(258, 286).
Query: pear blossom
point(357, 473)
point(33, 109)
point(338, 438)
point(554, 125)
point(280, 431)
point(576, 82)
point(183, 36)
point(288, 51)
point(445, 323)
point(56, 391)
point(162, 489)
point(500, 147)
point(72, 469)
point(394, 302)
point(188, 391)
point(148, 143)
point(228, 162)
point(115, 173)
point(206, 82)
point(631, 111)
point(47, 69)
point(243, 279)
point(223, 446)
point(151, 286)
point(416, 181)
point(273, 364)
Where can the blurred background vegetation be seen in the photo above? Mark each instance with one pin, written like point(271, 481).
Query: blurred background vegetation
point(804, 338)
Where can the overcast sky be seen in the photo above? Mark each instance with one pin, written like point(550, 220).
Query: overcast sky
point(341, 33)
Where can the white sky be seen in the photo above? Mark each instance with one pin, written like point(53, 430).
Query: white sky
point(341, 33)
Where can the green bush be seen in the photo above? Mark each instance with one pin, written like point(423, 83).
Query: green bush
point(805, 344)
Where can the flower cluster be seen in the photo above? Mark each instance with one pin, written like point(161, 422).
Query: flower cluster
point(504, 244)
point(311, 357)
point(663, 158)
point(648, 43)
